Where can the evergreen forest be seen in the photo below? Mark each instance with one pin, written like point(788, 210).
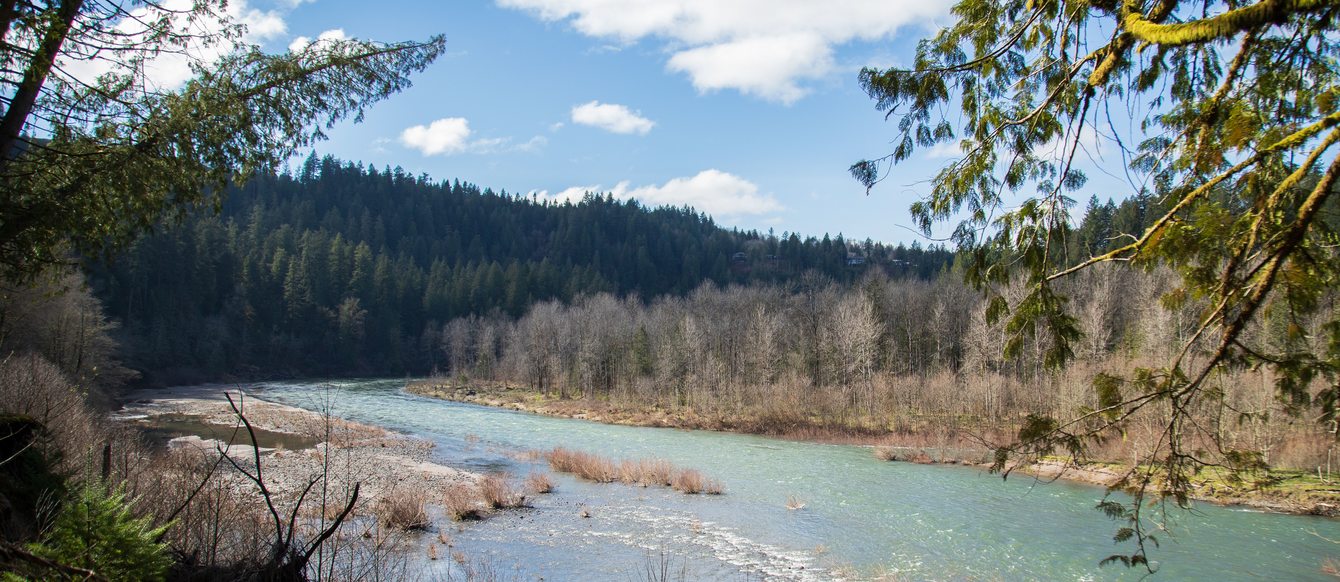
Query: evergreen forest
point(343, 270)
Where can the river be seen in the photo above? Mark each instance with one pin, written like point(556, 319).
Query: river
point(862, 519)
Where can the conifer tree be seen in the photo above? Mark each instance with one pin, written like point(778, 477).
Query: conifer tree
point(1234, 109)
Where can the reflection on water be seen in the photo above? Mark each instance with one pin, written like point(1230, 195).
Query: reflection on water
point(863, 518)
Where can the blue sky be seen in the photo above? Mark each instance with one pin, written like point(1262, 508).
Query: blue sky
point(749, 110)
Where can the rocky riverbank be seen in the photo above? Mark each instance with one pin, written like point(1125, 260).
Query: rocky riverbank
point(294, 444)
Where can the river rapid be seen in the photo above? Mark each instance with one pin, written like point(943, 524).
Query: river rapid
point(862, 518)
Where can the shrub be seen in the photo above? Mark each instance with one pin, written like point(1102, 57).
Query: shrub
point(461, 503)
point(584, 465)
point(539, 483)
point(689, 481)
point(643, 471)
point(498, 493)
point(96, 531)
point(713, 487)
point(659, 472)
point(403, 510)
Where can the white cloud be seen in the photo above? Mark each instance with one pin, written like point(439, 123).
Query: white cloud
point(302, 43)
point(505, 145)
point(743, 32)
point(445, 136)
point(451, 135)
point(573, 194)
point(723, 195)
point(767, 67)
point(170, 70)
point(532, 145)
point(611, 117)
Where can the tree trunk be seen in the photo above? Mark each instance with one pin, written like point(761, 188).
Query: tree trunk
point(21, 105)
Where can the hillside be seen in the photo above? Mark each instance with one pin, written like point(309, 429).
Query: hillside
point(340, 269)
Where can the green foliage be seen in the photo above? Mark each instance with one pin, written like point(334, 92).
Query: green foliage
point(1233, 171)
point(96, 531)
point(642, 359)
point(1108, 389)
point(89, 166)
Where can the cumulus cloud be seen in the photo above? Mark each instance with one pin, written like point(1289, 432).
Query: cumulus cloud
point(768, 66)
point(572, 194)
point(723, 195)
point(302, 43)
point(451, 135)
point(611, 117)
point(445, 136)
point(728, 45)
point(171, 70)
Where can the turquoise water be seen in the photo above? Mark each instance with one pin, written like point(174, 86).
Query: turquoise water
point(863, 518)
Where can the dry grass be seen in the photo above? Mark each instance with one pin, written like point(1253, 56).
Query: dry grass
point(713, 487)
point(498, 493)
point(886, 453)
point(403, 510)
point(689, 481)
point(462, 503)
point(644, 472)
point(585, 465)
point(539, 483)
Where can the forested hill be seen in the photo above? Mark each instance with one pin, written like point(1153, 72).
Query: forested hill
point(342, 269)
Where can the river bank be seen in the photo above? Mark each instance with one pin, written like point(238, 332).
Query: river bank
point(1290, 492)
point(293, 443)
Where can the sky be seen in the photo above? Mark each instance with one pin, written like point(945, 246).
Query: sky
point(748, 110)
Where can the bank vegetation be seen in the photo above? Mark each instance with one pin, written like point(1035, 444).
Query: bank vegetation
point(896, 362)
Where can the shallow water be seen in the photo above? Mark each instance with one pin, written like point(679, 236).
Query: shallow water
point(161, 429)
point(862, 518)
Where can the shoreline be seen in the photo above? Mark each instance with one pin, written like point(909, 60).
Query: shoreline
point(293, 443)
point(1301, 501)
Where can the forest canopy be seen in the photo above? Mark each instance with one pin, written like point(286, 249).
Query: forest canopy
point(375, 262)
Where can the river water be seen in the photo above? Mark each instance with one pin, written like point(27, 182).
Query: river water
point(862, 519)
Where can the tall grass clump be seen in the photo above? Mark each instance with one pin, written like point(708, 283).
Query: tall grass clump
point(689, 481)
point(403, 510)
point(498, 493)
point(585, 465)
point(461, 503)
point(539, 483)
point(644, 472)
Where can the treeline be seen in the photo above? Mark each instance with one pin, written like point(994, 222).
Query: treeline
point(338, 269)
point(883, 355)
